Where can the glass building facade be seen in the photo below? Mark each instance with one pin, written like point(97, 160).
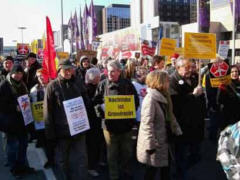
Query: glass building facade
point(116, 17)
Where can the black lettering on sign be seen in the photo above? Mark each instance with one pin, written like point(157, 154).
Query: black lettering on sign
point(120, 106)
point(38, 106)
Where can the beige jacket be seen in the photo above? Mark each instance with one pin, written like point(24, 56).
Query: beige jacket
point(152, 132)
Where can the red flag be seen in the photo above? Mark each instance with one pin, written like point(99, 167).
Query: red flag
point(49, 66)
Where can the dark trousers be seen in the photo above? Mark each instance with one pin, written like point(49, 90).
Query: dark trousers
point(17, 150)
point(187, 155)
point(94, 140)
point(150, 173)
point(71, 159)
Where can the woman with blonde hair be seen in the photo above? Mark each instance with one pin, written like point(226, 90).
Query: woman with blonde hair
point(130, 69)
point(157, 123)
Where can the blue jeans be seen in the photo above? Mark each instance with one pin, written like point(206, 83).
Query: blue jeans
point(17, 150)
point(187, 154)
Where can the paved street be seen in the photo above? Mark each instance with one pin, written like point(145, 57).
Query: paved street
point(207, 169)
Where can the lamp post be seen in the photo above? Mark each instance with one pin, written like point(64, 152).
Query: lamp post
point(22, 28)
point(62, 25)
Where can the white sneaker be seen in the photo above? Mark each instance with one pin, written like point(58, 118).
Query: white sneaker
point(93, 173)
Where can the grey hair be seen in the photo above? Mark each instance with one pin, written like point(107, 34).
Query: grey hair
point(115, 64)
point(180, 61)
point(91, 74)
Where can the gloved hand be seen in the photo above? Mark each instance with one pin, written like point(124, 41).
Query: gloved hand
point(151, 151)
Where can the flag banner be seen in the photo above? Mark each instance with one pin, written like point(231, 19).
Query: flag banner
point(219, 73)
point(49, 65)
point(200, 45)
point(82, 45)
point(85, 27)
point(237, 13)
point(204, 16)
point(76, 31)
point(148, 47)
point(92, 23)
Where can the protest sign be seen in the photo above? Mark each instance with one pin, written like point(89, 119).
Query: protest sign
point(76, 115)
point(200, 45)
point(167, 47)
point(223, 49)
point(219, 73)
point(120, 107)
point(62, 55)
point(25, 107)
point(37, 110)
point(179, 51)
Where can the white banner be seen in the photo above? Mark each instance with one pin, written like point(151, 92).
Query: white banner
point(76, 115)
point(25, 106)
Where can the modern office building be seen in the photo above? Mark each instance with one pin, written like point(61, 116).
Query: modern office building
point(115, 17)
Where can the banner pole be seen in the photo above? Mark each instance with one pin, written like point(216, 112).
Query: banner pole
point(199, 73)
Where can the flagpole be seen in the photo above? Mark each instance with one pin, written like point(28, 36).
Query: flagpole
point(233, 32)
point(62, 24)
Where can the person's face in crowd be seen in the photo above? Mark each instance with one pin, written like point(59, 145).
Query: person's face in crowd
point(113, 74)
point(66, 73)
point(85, 63)
point(17, 76)
point(193, 68)
point(31, 60)
point(160, 65)
point(166, 85)
point(141, 76)
point(41, 79)
point(185, 70)
point(96, 80)
point(7, 65)
point(173, 60)
point(234, 73)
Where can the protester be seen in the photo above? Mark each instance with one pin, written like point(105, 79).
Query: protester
point(37, 96)
point(173, 62)
point(7, 66)
point(130, 69)
point(189, 110)
point(70, 151)
point(94, 61)
point(94, 136)
point(117, 132)
point(83, 67)
point(158, 63)
point(156, 120)
point(31, 67)
point(228, 151)
point(16, 131)
point(229, 99)
point(141, 88)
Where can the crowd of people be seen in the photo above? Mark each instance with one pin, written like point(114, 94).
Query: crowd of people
point(170, 105)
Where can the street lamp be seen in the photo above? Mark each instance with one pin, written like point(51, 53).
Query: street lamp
point(62, 24)
point(22, 28)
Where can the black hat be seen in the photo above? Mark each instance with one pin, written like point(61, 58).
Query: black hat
point(31, 55)
point(9, 58)
point(65, 64)
point(17, 68)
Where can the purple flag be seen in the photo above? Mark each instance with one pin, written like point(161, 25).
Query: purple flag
point(204, 16)
point(93, 22)
point(85, 26)
point(82, 46)
point(76, 31)
point(70, 27)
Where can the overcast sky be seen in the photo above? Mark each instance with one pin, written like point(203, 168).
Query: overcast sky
point(32, 13)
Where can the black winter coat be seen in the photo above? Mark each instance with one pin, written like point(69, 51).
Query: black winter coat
point(57, 91)
point(229, 99)
point(8, 107)
point(122, 87)
point(188, 109)
point(30, 76)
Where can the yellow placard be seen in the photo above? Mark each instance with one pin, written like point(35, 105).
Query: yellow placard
point(200, 45)
point(37, 110)
point(62, 55)
point(120, 107)
point(216, 82)
point(179, 51)
point(167, 47)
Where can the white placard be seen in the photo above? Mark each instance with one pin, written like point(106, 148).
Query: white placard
point(25, 106)
point(223, 49)
point(76, 115)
